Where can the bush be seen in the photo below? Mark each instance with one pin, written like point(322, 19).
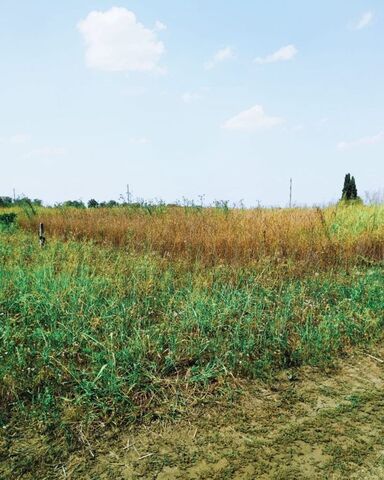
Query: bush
point(5, 202)
point(7, 219)
point(73, 204)
point(93, 203)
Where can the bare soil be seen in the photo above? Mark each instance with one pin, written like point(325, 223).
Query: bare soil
point(308, 424)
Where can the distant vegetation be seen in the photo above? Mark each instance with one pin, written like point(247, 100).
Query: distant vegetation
point(349, 193)
point(7, 219)
point(8, 202)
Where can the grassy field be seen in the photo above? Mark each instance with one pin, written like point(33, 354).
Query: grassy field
point(307, 238)
point(134, 313)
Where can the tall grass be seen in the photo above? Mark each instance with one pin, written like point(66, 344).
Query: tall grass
point(308, 238)
point(90, 332)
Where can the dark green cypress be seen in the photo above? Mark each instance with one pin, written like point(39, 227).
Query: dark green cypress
point(349, 188)
point(346, 188)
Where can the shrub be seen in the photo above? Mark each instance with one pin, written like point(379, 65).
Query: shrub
point(7, 219)
point(93, 203)
point(5, 202)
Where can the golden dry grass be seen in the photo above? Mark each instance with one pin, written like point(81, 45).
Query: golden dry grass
point(315, 238)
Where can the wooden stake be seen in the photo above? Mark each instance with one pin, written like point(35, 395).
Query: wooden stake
point(42, 239)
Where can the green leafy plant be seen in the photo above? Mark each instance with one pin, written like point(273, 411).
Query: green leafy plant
point(7, 219)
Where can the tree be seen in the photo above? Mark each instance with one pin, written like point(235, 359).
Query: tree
point(346, 188)
point(73, 204)
point(349, 188)
point(353, 189)
point(5, 202)
point(93, 203)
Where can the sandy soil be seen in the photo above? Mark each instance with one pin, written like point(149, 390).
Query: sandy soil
point(308, 425)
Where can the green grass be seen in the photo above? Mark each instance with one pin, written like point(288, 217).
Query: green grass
point(91, 333)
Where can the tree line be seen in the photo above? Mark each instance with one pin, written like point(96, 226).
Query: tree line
point(349, 194)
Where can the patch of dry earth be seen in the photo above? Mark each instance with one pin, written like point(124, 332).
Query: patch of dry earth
point(312, 425)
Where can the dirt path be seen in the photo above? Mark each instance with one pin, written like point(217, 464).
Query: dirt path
point(311, 425)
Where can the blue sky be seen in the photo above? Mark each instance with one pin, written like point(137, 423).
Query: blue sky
point(180, 99)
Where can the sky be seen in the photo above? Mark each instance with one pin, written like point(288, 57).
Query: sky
point(191, 99)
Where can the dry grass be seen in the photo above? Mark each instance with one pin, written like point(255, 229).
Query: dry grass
point(336, 236)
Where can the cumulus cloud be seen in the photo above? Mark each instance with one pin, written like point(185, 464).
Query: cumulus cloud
point(159, 26)
point(364, 21)
point(252, 120)
point(372, 140)
point(116, 42)
point(282, 55)
point(220, 56)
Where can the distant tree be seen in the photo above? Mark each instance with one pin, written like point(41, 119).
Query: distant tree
point(349, 192)
point(109, 204)
point(93, 203)
point(37, 202)
point(346, 188)
point(353, 189)
point(22, 201)
point(5, 202)
point(73, 204)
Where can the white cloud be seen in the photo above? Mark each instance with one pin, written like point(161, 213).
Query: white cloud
point(252, 120)
point(372, 140)
point(364, 21)
point(159, 26)
point(220, 56)
point(282, 55)
point(46, 152)
point(116, 42)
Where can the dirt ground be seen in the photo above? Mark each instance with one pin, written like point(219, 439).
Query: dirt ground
point(308, 425)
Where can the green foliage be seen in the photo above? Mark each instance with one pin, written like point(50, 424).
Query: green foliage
point(93, 203)
point(7, 218)
point(106, 331)
point(5, 202)
point(23, 201)
point(349, 192)
point(109, 204)
point(73, 204)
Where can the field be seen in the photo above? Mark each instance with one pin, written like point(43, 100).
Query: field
point(145, 318)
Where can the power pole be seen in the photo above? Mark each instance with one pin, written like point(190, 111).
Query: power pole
point(14, 195)
point(128, 195)
point(290, 193)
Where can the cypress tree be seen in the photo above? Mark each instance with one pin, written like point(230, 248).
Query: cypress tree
point(346, 188)
point(349, 188)
point(353, 189)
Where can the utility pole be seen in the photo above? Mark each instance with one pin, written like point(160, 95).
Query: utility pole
point(128, 195)
point(14, 195)
point(290, 193)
